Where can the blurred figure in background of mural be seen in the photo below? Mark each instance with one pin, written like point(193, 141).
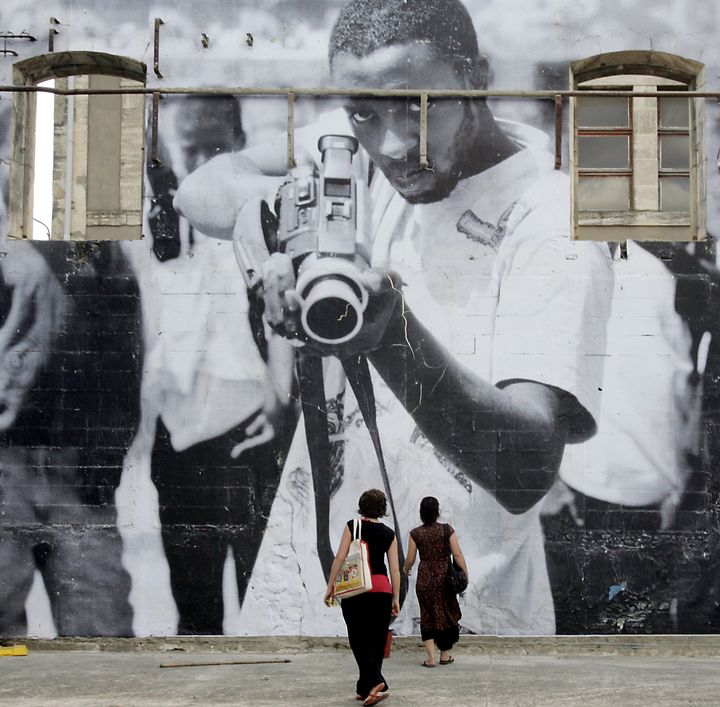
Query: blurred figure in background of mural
point(70, 368)
point(192, 129)
point(207, 381)
point(614, 561)
point(697, 521)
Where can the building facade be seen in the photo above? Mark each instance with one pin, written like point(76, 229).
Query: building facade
point(553, 237)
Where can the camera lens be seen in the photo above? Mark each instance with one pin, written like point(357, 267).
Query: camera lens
point(332, 318)
point(332, 310)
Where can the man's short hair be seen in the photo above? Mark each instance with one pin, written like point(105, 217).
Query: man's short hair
point(364, 26)
point(217, 112)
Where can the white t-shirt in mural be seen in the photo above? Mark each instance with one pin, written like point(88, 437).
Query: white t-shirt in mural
point(532, 307)
point(204, 374)
point(650, 413)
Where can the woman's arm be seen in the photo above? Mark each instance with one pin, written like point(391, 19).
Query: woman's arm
point(394, 562)
point(457, 553)
point(340, 556)
point(410, 557)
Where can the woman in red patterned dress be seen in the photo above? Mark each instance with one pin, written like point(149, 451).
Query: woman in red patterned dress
point(439, 609)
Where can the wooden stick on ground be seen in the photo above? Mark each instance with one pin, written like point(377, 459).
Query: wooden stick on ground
point(224, 662)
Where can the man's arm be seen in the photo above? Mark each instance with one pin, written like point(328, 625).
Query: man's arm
point(32, 321)
point(212, 196)
point(509, 440)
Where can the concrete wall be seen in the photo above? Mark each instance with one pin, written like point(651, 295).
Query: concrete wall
point(130, 371)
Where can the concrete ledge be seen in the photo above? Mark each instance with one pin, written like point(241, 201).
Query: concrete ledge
point(690, 646)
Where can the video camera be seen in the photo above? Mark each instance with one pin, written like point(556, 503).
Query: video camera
point(317, 228)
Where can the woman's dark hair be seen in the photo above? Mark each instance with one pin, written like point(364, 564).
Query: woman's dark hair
point(429, 510)
point(373, 504)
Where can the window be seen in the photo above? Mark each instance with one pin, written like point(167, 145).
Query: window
point(86, 183)
point(637, 162)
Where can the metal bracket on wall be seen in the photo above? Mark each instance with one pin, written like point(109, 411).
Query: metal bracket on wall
point(558, 130)
point(291, 130)
point(5, 36)
point(54, 22)
point(156, 48)
point(154, 130)
point(424, 163)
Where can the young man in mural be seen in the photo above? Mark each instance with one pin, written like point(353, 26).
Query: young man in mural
point(205, 377)
point(70, 365)
point(482, 313)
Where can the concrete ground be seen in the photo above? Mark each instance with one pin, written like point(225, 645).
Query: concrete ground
point(326, 676)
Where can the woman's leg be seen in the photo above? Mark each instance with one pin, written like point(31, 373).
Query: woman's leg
point(446, 640)
point(353, 612)
point(428, 636)
point(429, 651)
point(367, 617)
point(383, 612)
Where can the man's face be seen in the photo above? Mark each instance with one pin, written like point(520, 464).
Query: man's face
point(202, 141)
point(389, 129)
point(203, 130)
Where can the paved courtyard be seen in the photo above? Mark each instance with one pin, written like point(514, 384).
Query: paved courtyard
point(326, 677)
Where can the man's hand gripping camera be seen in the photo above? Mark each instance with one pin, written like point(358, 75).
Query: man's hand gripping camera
point(313, 284)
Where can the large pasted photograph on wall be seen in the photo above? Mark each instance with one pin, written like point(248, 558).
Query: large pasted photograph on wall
point(228, 325)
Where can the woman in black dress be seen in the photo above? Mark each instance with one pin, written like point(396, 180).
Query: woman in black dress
point(368, 615)
point(439, 609)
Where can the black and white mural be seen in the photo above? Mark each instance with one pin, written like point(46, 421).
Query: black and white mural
point(181, 445)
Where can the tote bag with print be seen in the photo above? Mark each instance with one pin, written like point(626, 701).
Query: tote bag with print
point(354, 576)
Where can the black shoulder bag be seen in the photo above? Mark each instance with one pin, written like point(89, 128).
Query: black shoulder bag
point(456, 581)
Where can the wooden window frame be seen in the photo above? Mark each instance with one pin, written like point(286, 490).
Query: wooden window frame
point(30, 72)
point(644, 71)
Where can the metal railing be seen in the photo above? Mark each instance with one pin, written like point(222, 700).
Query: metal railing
point(422, 94)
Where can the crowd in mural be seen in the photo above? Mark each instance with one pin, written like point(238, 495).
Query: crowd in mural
point(163, 468)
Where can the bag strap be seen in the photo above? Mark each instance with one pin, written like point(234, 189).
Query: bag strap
point(358, 374)
point(312, 403)
point(313, 406)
